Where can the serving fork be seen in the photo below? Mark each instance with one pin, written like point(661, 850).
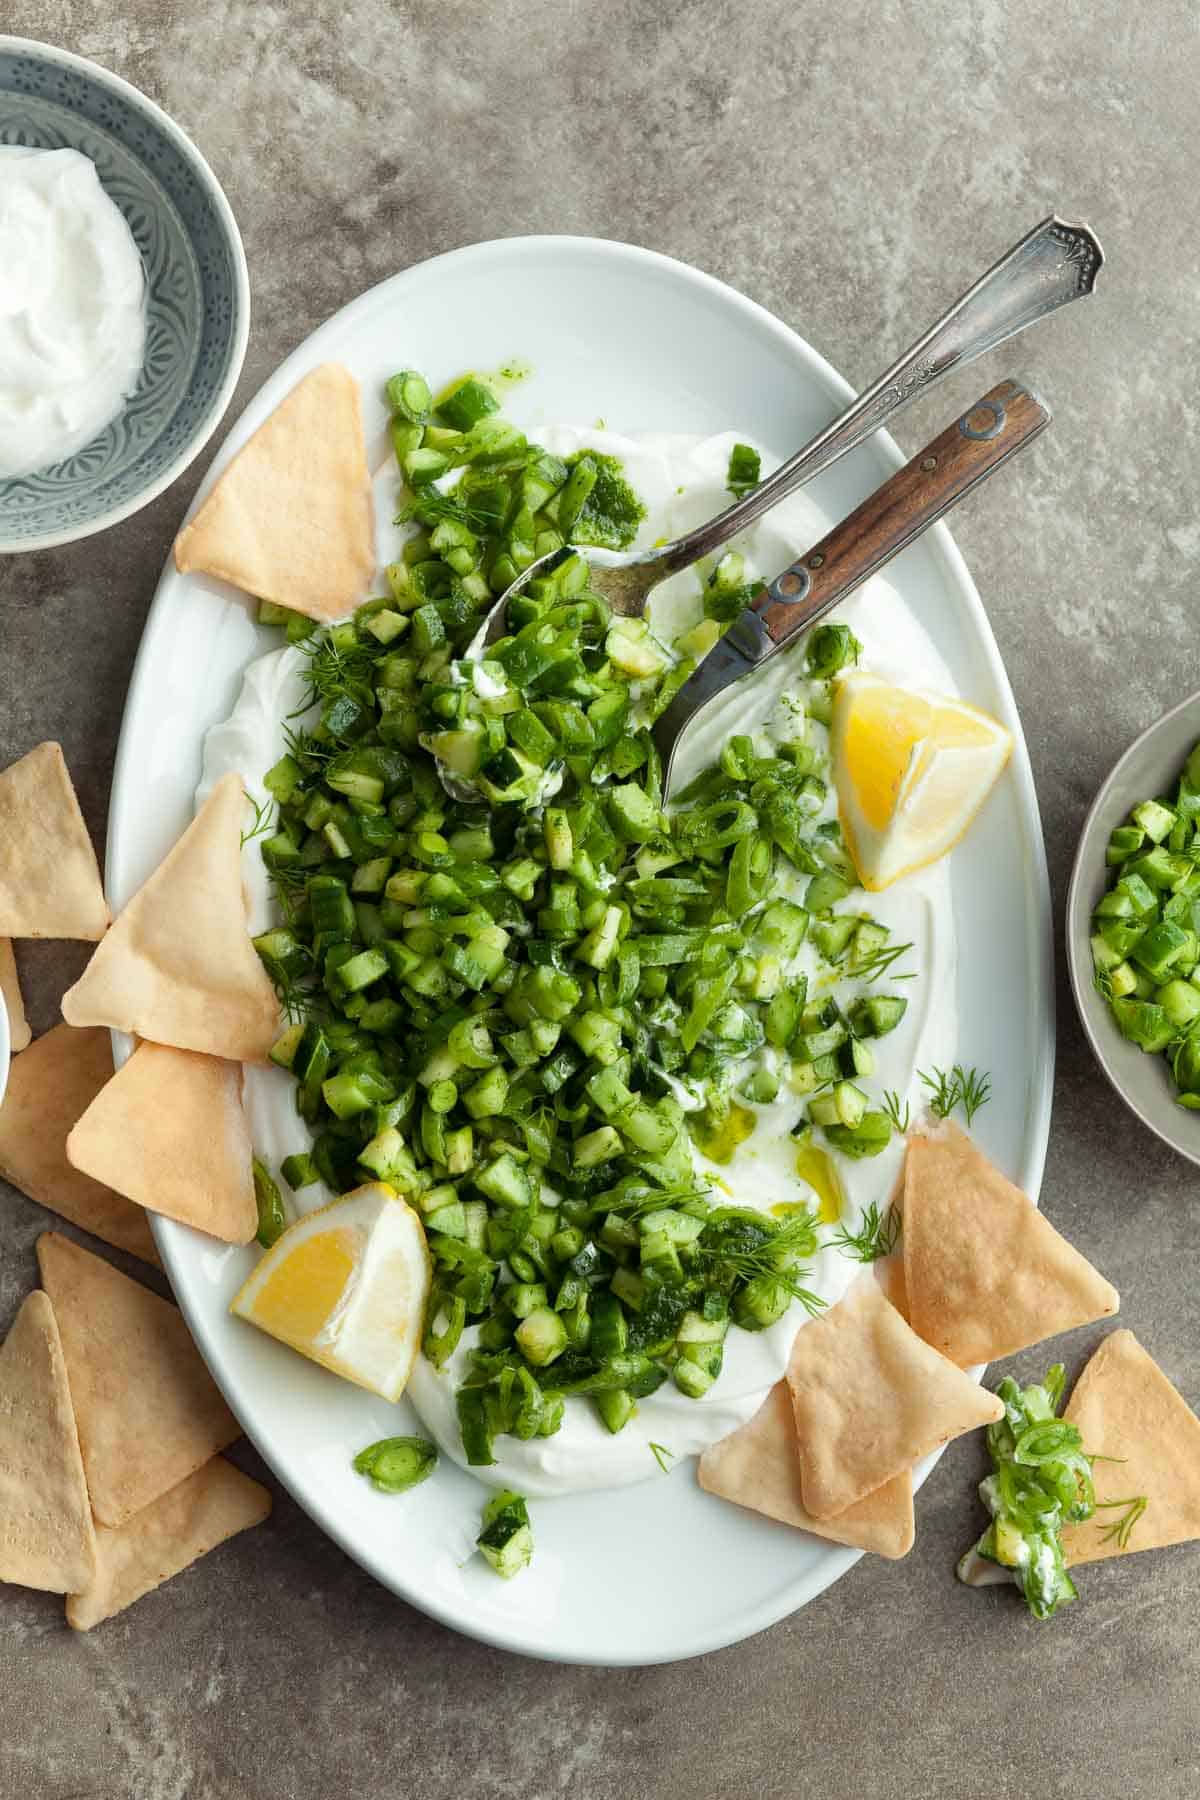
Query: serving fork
point(1004, 421)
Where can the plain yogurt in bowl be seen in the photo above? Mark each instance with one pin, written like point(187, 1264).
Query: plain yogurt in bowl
point(114, 233)
point(72, 307)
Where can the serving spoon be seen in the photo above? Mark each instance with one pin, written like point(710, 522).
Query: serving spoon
point(1053, 264)
point(924, 490)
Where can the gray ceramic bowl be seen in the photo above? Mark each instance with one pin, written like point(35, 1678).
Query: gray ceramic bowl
point(1149, 767)
point(198, 291)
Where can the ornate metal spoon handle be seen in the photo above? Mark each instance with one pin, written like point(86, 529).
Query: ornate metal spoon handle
point(1054, 264)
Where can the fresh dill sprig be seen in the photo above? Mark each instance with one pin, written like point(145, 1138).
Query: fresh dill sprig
point(967, 1088)
point(300, 997)
point(767, 1254)
point(307, 748)
point(975, 1090)
point(660, 1453)
point(875, 1238)
point(1122, 1529)
point(289, 878)
point(1102, 982)
point(300, 993)
point(432, 507)
point(878, 964)
point(288, 887)
point(262, 820)
point(336, 671)
point(635, 1202)
point(899, 1115)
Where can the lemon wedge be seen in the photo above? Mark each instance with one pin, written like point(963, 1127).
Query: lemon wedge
point(347, 1286)
point(911, 771)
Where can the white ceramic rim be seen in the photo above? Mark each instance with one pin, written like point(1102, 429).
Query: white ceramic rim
point(839, 1560)
point(241, 337)
point(1098, 1026)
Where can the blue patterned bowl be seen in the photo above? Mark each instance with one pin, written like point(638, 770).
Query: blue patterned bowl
point(198, 291)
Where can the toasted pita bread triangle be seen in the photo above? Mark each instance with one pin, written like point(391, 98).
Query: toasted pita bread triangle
point(46, 1535)
point(49, 877)
point(290, 520)
point(169, 1535)
point(987, 1275)
point(19, 1033)
point(49, 1086)
point(889, 1273)
point(758, 1466)
point(147, 1409)
point(178, 965)
point(170, 1131)
point(1125, 1407)
point(870, 1399)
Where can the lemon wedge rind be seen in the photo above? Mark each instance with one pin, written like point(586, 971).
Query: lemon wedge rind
point(912, 770)
point(347, 1286)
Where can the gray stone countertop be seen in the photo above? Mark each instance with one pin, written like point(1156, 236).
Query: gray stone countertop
point(850, 166)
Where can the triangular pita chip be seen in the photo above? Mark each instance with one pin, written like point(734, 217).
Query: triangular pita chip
point(147, 1409)
point(758, 1466)
point(46, 1535)
point(170, 1534)
point(290, 520)
point(170, 1131)
point(49, 877)
point(178, 965)
point(987, 1275)
point(49, 1086)
point(19, 1033)
point(1125, 1407)
point(870, 1399)
point(889, 1273)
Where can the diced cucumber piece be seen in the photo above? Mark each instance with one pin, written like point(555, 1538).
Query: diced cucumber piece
point(506, 1537)
point(541, 1336)
point(874, 1015)
point(616, 1407)
point(283, 1050)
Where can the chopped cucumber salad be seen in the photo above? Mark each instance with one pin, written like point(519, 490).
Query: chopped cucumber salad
point(1146, 930)
point(1041, 1480)
point(526, 1007)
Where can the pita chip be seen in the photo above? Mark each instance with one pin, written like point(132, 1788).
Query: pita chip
point(889, 1273)
point(290, 520)
point(49, 1086)
point(987, 1274)
point(49, 877)
point(46, 1535)
point(170, 1534)
point(870, 1399)
point(170, 1131)
point(1125, 1407)
point(178, 965)
point(146, 1407)
point(758, 1466)
point(10, 997)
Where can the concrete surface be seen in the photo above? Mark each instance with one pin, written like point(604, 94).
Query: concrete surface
point(850, 166)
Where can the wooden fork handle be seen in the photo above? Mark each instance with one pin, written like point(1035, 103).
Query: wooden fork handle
point(991, 431)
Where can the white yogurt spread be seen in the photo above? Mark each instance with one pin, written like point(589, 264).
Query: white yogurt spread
point(72, 307)
point(682, 482)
